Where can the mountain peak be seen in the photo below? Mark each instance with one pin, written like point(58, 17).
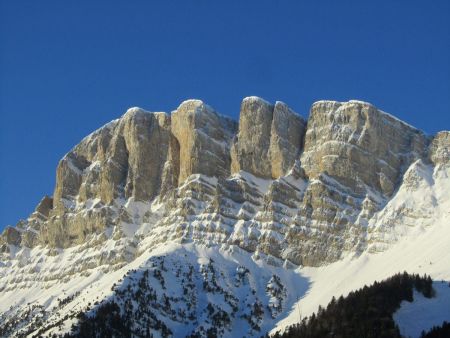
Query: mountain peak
point(193, 198)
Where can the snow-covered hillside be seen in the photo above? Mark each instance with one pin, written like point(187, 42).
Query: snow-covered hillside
point(423, 247)
point(182, 289)
point(233, 281)
point(192, 224)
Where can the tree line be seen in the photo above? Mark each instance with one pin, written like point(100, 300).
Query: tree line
point(366, 312)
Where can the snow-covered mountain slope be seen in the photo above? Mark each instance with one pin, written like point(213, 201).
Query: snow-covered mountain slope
point(424, 313)
point(186, 287)
point(214, 222)
point(423, 247)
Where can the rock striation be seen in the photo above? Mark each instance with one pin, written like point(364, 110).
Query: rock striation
point(274, 184)
point(359, 146)
point(192, 221)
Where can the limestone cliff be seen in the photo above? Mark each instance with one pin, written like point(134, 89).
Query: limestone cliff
point(305, 192)
point(269, 139)
point(440, 148)
point(204, 138)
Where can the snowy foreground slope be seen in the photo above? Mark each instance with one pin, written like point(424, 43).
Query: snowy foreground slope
point(184, 280)
point(191, 225)
point(243, 279)
point(423, 249)
point(248, 281)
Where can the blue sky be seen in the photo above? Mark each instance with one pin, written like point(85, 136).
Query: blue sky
point(68, 67)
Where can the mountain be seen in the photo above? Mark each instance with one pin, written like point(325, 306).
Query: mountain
point(227, 226)
point(367, 312)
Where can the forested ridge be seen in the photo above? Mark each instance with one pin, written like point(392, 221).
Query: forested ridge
point(366, 312)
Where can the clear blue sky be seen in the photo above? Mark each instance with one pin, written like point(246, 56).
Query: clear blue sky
point(68, 67)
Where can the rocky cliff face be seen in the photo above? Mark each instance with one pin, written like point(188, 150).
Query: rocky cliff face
point(360, 146)
point(204, 138)
point(440, 148)
point(269, 139)
point(211, 206)
point(354, 158)
point(300, 191)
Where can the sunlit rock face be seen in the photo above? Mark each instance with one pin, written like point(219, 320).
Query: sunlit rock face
point(359, 146)
point(269, 139)
point(199, 220)
point(204, 138)
point(133, 157)
point(124, 158)
point(440, 148)
point(302, 191)
point(354, 158)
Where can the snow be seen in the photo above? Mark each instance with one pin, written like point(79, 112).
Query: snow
point(191, 101)
point(298, 183)
point(95, 165)
point(422, 248)
point(412, 229)
point(72, 166)
point(199, 104)
point(421, 202)
point(135, 110)
point(421, 252)
point(256, 99)
point(424, 313)
point(259, 183)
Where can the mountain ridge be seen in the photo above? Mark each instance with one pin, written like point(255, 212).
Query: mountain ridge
point(349, 182)
point(195, 139)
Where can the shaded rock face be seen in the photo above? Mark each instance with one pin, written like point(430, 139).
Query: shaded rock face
point(269, 139)
point(44, 206)
point(286, 138)
point(125, 158)
point(11, 236)
point(275, 185)
point(134, 157)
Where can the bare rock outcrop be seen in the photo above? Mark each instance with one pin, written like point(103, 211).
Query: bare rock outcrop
point(440, 148)
point(134, 157)
point(11, 236)
point(287, 134)
point(45, 206)
point(269, 139)
point(354, 159)
point(275, 185)
point(147, 141)
point(359, 146)
point(251, 149)
point(204, 138)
